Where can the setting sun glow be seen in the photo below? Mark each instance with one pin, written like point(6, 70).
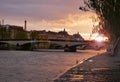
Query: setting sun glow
point(99, 38)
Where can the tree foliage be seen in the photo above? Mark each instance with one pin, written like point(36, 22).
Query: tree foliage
point(20, 35)
point(4, 34)
point(108, 12)
point(34, 35)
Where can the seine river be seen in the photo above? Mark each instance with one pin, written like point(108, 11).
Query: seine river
point(39, 66)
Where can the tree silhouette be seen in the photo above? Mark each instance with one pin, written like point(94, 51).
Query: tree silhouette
point(108, 12)
point(4, 33)
point(20, 35)
point(34, 35)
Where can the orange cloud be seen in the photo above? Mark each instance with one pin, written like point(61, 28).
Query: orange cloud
point(77, 22)
point(73, 23)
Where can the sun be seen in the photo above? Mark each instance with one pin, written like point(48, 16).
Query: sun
point(99, 39)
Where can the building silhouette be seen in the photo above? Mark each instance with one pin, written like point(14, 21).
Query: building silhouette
point(9, 31)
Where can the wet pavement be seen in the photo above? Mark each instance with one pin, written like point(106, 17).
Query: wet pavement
point(93, 75)
point(102, 68)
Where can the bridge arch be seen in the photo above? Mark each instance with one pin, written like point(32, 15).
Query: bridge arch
point(73, 48)
point(4, 46)
point(18, 45)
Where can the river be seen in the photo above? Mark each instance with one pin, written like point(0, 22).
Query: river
point(39, 66)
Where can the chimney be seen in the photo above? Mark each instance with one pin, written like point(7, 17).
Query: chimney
point(25, 26)
point(2, 21)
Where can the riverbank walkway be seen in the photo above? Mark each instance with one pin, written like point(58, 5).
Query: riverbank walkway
point(101, 68)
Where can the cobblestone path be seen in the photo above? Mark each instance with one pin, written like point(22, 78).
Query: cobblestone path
point(93, 75)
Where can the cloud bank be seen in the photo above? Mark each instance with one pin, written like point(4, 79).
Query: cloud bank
point(52, 15)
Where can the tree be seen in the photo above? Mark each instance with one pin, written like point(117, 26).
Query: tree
point(108, 12)
point(34, 35)
point(4, 33)
point(20, 35)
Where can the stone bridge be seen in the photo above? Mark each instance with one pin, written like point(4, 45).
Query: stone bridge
point(13, 42)
point(67, 45)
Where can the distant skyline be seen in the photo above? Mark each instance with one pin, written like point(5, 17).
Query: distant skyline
point(54, 15)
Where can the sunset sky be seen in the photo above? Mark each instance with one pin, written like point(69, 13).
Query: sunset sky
point(53, 15)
